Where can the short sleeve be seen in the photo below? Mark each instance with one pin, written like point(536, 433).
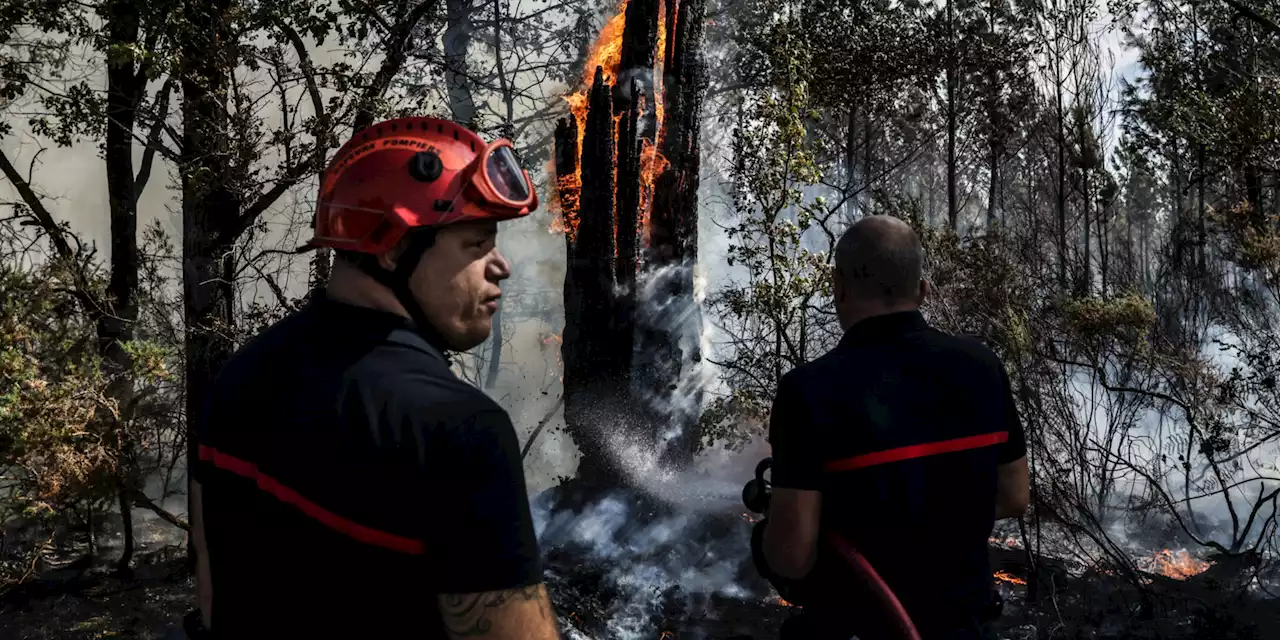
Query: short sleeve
point(797, 463)
point(482, 536)
point(1016, 446)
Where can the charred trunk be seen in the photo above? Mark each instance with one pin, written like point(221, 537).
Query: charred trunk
point(630, 333)
point(670, 324)
point(635, 78)
point(595, 371)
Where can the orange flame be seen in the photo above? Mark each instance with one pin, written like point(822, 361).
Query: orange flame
point(652, 164)
point(606, 53)
point(1178, 565)
point(1008, 577)
point(659, 77)
point(568, 188)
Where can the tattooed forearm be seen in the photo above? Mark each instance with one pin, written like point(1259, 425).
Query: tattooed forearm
point(475, 615)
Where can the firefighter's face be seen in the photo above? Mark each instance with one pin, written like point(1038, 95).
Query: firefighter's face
point(457, 282)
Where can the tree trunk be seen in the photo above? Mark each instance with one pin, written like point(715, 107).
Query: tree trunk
point(1060, 193)
point(457, 41)
point(850, 162)
point(125, 84)
point(606, 327)
point(670, 318)
point(1086, 280)
point(595, 382)
point(867, 159)
point(207, 201)
point(953, 212)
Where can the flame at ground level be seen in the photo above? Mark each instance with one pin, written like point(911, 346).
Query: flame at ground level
point(1008, 577)
point(1178, 565)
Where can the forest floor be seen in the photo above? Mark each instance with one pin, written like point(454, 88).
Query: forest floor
point(89, 603)
point(96, 605)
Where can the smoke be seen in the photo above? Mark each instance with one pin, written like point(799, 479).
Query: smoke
point(648, 565)
point(666, 304)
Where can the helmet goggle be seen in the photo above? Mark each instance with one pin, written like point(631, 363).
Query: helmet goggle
point(494, 179)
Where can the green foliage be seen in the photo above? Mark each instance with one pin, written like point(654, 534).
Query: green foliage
point(56, 424)
point(772, 314)
point(1127, 313)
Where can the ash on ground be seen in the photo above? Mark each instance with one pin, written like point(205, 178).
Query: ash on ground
point(622, 567)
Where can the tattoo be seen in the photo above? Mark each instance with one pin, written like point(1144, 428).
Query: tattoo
point(466, 615)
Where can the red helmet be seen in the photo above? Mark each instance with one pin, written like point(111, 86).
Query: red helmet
point(416, 172)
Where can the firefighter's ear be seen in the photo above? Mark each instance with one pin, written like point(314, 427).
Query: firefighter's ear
point(923, 292)
point(388, 259)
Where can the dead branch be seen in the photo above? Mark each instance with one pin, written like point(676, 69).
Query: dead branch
point(141, 500)
point(528, 445)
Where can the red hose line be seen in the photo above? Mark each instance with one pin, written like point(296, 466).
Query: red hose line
point(905, 628)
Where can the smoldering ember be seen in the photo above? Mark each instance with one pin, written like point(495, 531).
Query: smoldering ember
point(1096, 186)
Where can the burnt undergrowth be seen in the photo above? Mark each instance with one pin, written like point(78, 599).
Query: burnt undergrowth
point(625, 566)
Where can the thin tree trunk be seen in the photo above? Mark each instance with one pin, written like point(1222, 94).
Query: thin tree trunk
point(953, 213)
point(867, 148)
point(1086, 286)
point(850, 161)
point(115, 327)
point(1061, 191)
point(207, 199)
point(457, 41)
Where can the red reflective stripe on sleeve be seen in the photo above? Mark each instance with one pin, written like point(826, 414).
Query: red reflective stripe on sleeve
point(917, 451)
point(310, 509)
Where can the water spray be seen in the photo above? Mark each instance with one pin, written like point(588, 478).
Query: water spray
point(756, 495)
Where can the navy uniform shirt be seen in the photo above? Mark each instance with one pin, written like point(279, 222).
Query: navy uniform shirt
point(349, 477)
point(902, 427)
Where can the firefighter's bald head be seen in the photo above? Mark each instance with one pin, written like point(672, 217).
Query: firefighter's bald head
point(879, 268)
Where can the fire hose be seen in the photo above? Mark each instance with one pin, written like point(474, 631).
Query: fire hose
point(756, 495)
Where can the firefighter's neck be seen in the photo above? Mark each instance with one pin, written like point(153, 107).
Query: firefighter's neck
point(854, 316)
point(852, 308)
point(350, 285)
point(852, 312)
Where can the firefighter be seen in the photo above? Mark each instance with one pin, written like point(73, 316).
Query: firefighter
point(902, 440)
point(348, 484)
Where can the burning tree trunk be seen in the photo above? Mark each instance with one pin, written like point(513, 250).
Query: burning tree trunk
point(595, 371)
point(607, 165)
point(671, 323)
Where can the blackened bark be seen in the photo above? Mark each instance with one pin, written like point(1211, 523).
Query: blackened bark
point(669, 321)
point(611, 337)
point(671, 11)
point(594, 379)
point(635, 68)
point(629, 187)
point(567, 188)
point(677, 224)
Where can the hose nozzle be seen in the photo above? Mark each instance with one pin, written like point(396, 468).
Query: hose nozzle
point(756, 493)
